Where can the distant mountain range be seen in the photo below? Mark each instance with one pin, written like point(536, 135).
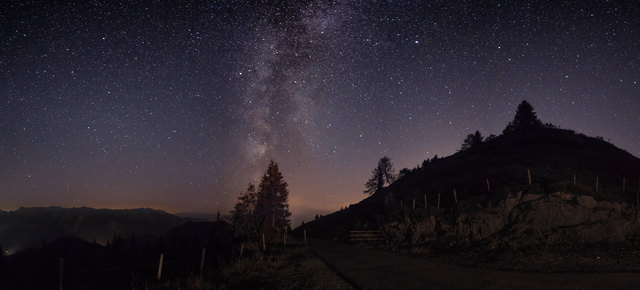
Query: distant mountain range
point(32, 227)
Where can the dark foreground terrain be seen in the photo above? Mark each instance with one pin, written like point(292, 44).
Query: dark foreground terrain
point(370, 269)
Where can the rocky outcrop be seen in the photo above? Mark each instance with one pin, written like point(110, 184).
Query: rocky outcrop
point(523, 220)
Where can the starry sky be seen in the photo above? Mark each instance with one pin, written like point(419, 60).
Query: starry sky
point(178, 105)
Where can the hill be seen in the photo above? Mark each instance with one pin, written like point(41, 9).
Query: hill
point(553, 157)
point(533, 189)
point(31, 227)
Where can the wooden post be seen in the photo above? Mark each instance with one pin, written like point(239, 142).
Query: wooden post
point(204, 250)
point(60, 273)
point(488, 186)
point(597, 181)
point(264, 245)
point(401, 204)
point(623, 184)
point(305, 237)
point(160, 266)
point(241, 249)
point(455, 196)
point(574, 179)
point(425, 201)
point(529, 175)
point(414, 204)
point(284, 237)
point(438, 200)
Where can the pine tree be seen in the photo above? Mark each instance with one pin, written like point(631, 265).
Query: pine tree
point(383, 174)
point(243, 220)
point(272, 207)
point(472, 140)
point(525, 119)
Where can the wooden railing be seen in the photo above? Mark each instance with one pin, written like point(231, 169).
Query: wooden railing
point(365, 235)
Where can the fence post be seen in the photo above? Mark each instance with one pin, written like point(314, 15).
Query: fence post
point(574, 179)
point(438, 200)
point(455, 196)
point(597, 181)
point(264, 245)
point(425, 201)
point(241, 249)
point(529, 175)
point(284, 238)
point(160, 266)
point(414, 204)
point(401, 204)
point(204, 250)
point(488, 186)
point(60, 273)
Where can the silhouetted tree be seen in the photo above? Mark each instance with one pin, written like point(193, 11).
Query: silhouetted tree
point(525, 119)
point(243, 221)
point(403, 172)
point(383, 174)
point(272, 199)
point(472, 140)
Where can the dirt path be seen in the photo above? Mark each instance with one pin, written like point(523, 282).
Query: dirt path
point(370, 269)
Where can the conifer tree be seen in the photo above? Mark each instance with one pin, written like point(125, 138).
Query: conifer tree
point(264, 209)
point(272, 199)
point(383, 174)
point(525, 119)
point(243, 220)
point(472, 140)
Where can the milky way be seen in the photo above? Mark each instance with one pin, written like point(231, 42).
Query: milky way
point(179, 105)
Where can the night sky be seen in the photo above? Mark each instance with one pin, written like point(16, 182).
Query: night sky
point(178, 105)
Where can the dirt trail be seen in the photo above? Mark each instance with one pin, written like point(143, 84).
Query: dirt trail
point(370, 269)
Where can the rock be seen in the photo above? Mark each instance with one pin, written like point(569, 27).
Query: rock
point(524, 220)
point(564, 196)
point(531, 196)
point(586, 201)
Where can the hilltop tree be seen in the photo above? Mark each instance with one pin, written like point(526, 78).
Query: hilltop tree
point(383, 174)
point(525, 119)
point(472, 140)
